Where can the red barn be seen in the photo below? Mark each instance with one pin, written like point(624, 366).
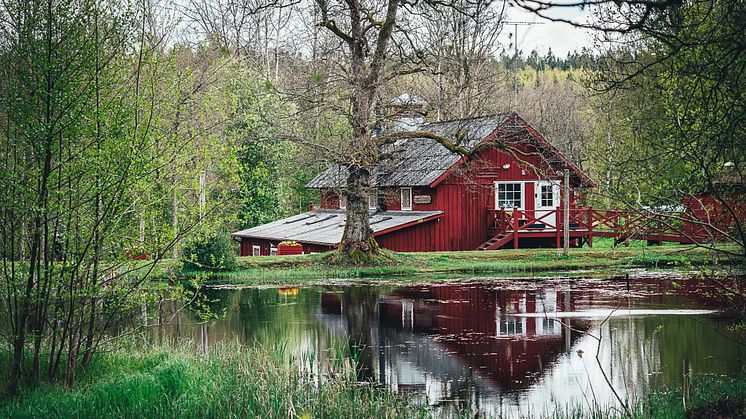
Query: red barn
point(427, 198)
point(716, 213)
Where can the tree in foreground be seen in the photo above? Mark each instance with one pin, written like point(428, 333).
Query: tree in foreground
point(375, 48)
point(79, 154)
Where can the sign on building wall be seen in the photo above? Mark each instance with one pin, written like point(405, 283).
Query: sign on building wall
point(422, 199)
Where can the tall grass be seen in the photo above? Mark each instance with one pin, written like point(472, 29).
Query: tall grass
point(228, 381)
point(237, 381)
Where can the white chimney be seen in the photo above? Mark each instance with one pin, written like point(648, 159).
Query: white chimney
point(408, 112)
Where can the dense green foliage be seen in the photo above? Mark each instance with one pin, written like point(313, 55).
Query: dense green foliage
point(212, 252)
point(673, 98)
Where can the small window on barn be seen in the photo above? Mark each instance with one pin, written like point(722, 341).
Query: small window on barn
point(509, 195)
point(373, 199)
point(273, 251)
point(406, 199)
point(256, 250)
point(342, 201)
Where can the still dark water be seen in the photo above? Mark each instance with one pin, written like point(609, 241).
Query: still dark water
point(505, 347)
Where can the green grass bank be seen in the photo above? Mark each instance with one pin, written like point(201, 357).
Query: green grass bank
point(294, 269)
point(232, 381)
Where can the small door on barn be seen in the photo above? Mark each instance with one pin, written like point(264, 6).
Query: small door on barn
point(547, 200)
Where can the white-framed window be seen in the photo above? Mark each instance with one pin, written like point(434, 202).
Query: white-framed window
point(256, 250)
point(546, 194)
point(511, 327)
point(548, 327)
point(373, 199)
point(342, 201)
point(273, 251)
point(509, 195)
point(406, 199)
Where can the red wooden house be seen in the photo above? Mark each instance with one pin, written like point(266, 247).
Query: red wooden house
point(717, 212)
point(427, 198)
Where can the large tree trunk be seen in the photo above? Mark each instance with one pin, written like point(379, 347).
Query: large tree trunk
point(366, 74)
point(357, 240)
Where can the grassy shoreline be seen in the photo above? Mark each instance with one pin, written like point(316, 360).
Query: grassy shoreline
point(232, 380)
point(294, 269)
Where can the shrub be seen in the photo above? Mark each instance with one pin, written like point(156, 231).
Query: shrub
point(211, 252)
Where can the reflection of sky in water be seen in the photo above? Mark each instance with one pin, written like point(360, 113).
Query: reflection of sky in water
point(506, 348)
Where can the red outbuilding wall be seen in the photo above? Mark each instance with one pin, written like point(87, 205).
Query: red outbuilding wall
point(247, 246)
point(711, 212)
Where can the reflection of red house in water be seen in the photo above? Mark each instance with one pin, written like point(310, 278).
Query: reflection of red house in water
point(442, 342)
point(484, 329)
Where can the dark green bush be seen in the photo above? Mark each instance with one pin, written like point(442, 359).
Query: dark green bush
point(210, 252)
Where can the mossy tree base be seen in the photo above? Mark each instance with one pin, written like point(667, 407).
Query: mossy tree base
point(366, 253)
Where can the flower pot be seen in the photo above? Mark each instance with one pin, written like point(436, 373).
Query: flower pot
point(289, 250)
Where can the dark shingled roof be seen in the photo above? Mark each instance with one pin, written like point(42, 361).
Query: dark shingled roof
point(420, 161)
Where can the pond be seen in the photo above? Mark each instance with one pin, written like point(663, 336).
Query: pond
point(504, 347)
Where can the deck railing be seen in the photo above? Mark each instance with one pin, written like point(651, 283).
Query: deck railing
point(589, 222)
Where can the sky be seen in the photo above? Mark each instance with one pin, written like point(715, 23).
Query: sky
point(561, 37)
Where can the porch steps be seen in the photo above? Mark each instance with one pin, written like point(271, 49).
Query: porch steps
point(498, 241)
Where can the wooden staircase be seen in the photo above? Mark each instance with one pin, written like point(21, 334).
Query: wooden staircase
point(498, 241)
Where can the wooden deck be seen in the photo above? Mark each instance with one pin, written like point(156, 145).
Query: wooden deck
point(508, 227)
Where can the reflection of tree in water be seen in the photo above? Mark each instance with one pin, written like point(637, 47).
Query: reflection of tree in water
point(250, 316)
point(360, 311)
point(667, 348)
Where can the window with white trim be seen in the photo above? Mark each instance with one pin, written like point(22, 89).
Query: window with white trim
point(406, 199)
point(373, 199)
point(273, 251)
point(547, 195)
point(509, 195)
point(256, 250)
point(342, 201)
point(510, 327)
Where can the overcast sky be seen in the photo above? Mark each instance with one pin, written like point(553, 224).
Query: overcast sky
point(561, 37)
